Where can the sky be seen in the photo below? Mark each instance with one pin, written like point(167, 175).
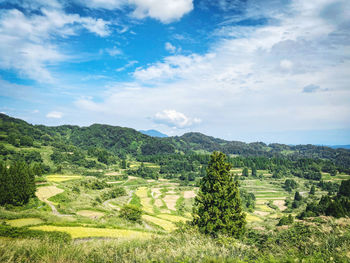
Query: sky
point(248, 70)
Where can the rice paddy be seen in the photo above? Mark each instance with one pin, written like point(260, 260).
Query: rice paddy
point(170, 201)
point(46, 192)
point(57, 178)
point(165, 224)
point(86, 232)
point(24, 222)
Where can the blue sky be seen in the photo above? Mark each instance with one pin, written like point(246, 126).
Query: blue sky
point(250, 70)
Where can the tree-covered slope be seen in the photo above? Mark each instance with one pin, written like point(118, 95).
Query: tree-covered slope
point(126, 141)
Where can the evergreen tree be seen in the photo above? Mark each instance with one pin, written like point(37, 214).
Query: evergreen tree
point(245, 172)
point(218, 207)
point(17, 183)
point(297, 196)
point(254, 171)
point(312, 190)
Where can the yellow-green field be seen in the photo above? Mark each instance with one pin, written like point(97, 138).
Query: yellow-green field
point(91, 214)
point(145, 200)
point(24, 222)
point(85, 232)
point(165, 224)
point(173, 218)
point(56, 178)
point(46, 192)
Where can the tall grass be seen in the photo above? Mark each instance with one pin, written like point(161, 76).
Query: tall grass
point(309, 242)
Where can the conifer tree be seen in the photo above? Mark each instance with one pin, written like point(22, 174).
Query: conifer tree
point(245, 172)
point(218, 208)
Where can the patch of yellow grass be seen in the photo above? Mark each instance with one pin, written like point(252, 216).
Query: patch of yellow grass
point(264, 208)
point(252, 218)
point(24, 222)
point(83, 232)
point(173, 218)
point(170, 201)
point(158, 203)
point(46, 192)
point(165, 224)
point(189, 194)
point(57, 178)
point(91, 214)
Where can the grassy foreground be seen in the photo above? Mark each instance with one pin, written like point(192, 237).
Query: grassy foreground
point(316, 240)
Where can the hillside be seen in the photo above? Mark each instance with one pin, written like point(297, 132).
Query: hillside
point(126, 141)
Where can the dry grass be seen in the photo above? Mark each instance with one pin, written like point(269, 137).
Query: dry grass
point(158, 203)
point(280, 204)
point(91, 214)
point(24, 222)
point(46, 192)
point(189, 194)
point(170, 201)
point(84, 232)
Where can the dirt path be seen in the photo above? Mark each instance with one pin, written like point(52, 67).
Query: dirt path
point(54, 209)
point(44, 193)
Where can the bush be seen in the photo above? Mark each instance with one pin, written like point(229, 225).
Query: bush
point(286, 220)
point(131, 212)
point(114, 193)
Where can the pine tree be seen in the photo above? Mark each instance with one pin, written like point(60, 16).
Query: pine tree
point(245, 172)
point(254, 171)
point(218, 208)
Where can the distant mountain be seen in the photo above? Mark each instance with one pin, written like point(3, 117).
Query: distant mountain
point(154, 133)
point(340, 146)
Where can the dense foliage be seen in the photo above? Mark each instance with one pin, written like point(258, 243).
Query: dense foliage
point(331, 205)
point(17, 183)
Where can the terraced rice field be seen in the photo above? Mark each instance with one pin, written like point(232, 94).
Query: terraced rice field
point(24, 222)
point(46, 192)
point(165, 224)
point(145, 200)
point(57, 178)
point(170, 201)
point(85, 232)
point(189, 194)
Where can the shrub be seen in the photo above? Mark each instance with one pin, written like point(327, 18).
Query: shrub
point(131, 212)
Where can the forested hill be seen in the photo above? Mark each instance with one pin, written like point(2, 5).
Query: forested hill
point(126, 141)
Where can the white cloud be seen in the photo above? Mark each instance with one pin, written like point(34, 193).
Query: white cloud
point(173, 118)
point(114, 51)
point(54, 115)
point(33, 38)
point(169, 47)
point(128, 65)
point(165, 11)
